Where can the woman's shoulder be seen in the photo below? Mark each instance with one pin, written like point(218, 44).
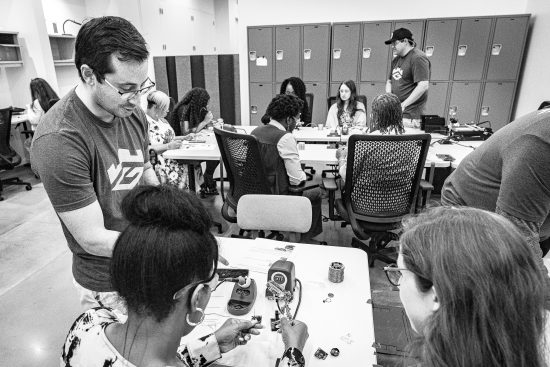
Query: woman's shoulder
point(361, 106)
point(86, 343)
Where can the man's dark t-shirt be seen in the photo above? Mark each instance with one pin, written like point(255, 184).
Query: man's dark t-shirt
point(81, 159)
point(405, 74)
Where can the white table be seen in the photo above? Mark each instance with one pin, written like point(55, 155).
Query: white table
point(20, 119)
point(348, 315)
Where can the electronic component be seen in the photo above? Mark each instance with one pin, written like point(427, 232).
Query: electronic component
point(257, 318)
point(445, 157)
point(242, 298)
point(335, 352)
point(320, 354)
point(231, 273)
point(281, 272)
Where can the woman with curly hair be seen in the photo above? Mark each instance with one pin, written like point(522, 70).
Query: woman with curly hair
point(347, 109)
point(296, 87)
point(192, 114)
point(472, 290)
point(387, 118)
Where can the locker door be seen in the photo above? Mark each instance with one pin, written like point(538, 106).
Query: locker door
point(439, 47)
point(417, 29)
point(471, 49)
point(375, 55)
point(260, 96)
point(345, 46)
point(506, 50)
point(287, 52)
point(315, 52)
point(334, 89)
point(437, 97)
point(371, 90)
point(319, 91)
point(497, 104)
point(463, 103)
point(260, 54)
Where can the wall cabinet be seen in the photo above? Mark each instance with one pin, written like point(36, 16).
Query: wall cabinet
point(62, 49)
point(10, 52)
point(475, 61)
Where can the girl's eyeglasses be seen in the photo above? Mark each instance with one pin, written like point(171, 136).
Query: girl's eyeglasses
point(393, 273)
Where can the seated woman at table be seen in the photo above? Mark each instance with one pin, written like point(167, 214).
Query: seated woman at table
point(42, 94)
point(164, 267)
point(296, 87)
point(347, 109)
point(387, 118)
point(192, 114)
point(471, 288)
point(163, 138)
point(280, 156)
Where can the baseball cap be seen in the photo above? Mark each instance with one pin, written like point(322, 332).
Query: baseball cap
point(399, 34)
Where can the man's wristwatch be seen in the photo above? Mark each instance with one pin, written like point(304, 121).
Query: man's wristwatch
point(293, 358)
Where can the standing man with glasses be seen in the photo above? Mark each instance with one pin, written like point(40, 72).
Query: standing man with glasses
point(91, 149)
point(409, 76)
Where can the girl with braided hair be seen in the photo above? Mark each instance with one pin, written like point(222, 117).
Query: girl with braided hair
point(192, 114)
point(387, 118)
point(295, 86)
point(347, 108)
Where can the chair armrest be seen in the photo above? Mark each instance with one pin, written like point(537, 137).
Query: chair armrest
point(27, 133)
point(298, 189)
point(330, 183)
point(425, 185)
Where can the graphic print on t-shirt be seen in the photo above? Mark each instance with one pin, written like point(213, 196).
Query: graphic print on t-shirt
point(397, 73)
point(126, 175)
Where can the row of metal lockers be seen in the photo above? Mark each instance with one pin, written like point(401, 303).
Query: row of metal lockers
point(475, 62)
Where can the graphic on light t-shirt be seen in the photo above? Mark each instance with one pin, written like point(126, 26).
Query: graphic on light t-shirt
point(126, 175)
point(397, 73)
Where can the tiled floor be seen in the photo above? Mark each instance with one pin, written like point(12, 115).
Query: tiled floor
point(37, 300)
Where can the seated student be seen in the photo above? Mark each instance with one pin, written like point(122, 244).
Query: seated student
point(192, 114)
point(41, 94)
point(387, 118)
point(162, 138)
point(164, 267)
point(280, 154)
point(296, 87)
point(472, 290)
point(347, 108)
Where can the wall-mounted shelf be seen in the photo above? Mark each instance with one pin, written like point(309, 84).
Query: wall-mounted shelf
point(10, 51)
point(62, 49)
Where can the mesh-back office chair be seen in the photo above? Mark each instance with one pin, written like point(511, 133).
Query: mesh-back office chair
point(382, 182)
point(245, 171)
point(281, 213)
point(9, 159)
point(544, 104)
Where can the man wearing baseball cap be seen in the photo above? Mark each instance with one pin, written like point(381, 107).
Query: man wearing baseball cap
point(409, 76)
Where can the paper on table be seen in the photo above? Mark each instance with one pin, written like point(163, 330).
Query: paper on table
point(197, 146)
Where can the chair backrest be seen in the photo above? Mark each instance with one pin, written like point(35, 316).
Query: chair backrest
point(361, 98)
point(309, 100)
point(544, 104)
point(383, 175)
point(8, 157)
point(283, 213)
point(245, 171)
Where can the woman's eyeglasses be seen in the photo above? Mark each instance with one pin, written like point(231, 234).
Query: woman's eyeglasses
point(393, 273)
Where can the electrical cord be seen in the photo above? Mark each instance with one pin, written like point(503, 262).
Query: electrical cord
point(299, 301)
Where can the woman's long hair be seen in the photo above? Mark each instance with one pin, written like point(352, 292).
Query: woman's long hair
point(192, 108)
point(352, 102)
point(490, 289)
point(43, 92)
point(300, 92)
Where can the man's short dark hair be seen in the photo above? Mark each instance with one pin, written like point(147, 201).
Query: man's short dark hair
point(99, 38)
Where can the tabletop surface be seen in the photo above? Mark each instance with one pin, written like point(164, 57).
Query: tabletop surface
point(322, 153)
point(345, 323)
point(17, 119)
